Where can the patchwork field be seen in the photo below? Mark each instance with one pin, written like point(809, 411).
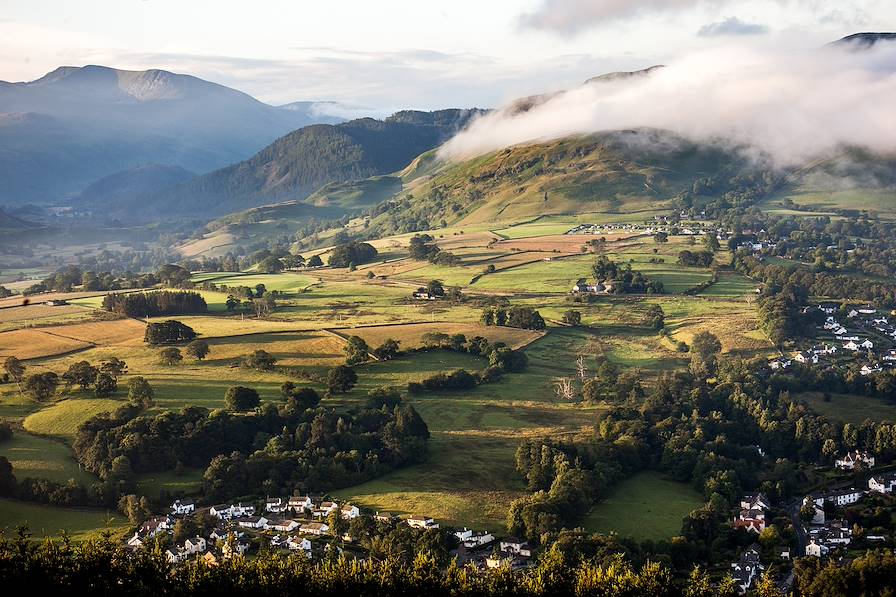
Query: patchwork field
point(469, 477)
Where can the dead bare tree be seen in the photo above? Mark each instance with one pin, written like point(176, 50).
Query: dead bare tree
point(581, 368)
point(564, 389)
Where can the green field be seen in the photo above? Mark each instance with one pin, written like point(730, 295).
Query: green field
point(48, 521)
point(849, 408)
point(169, 482)
point(39, 457)
point(645, 506)
point(64, 417)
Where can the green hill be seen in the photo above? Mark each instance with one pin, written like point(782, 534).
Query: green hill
point(301, 162)
point(620, 171)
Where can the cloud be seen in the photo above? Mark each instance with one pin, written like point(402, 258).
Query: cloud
point(731, 26)
point(571, 16)
point(790, 105)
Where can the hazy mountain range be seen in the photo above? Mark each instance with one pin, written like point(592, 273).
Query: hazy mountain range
point(75, 125)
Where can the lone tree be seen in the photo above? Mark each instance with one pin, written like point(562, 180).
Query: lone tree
point(40, 386)
point(197, 349)
point(705, 348)
point(314, 261)
point(168, 332)
point(170, 356)
point(341, 379)
point(15, 369)
point(140, 393)
point(240, 398)
point(356, 351)
point(261, 360)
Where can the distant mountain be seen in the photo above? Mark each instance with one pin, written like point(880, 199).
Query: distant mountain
point(866, 40)
point(299, 163)
point(75, 125)
point(139, 181)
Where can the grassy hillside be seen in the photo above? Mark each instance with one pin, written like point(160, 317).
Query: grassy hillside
point(616, 172)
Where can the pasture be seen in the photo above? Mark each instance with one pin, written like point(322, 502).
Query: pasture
point(79, 524)
point(63, 418)
point(848, 408)
point(646, 506)
point(41, 457)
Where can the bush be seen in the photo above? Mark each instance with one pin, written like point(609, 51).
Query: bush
point(261, 360)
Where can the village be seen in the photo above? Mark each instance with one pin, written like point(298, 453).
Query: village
point(857, 335)
point(301, 524)
point(820, 522)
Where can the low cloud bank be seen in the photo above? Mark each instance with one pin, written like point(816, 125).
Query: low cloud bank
point(791, 105)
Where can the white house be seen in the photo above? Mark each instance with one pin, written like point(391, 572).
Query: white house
point(777, 364)
point(241, 509)
point(853, 458)
point(867, 344)
point(194, 545)
point(753, 520)
point(841, 497)
point(851, 345)
point(816, 550)
point(755, 502)
point(516, 547)
point(174, 555)
point(348, 511)
point(298, 502)
point(868, 370)
point(299, 543)
point(421, 522)
point(884, 483)
point(156, 525)
point(222, 511)
point(136, 540)
point(478, 539)
point(890, 355)
point(807, 357)
point(285, 526)
point(254, 522)
point(314, 528)
point(182, 507)
point(275, 505)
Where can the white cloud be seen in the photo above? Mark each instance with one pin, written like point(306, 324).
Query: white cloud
point(792, 105)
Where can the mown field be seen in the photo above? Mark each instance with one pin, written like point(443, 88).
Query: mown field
point(646, 506)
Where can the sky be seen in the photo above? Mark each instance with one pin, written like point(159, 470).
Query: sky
point(393, 54)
